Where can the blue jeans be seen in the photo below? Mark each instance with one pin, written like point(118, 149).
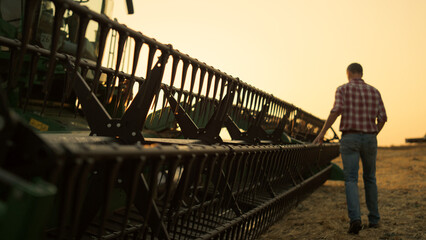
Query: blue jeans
point(354, 146)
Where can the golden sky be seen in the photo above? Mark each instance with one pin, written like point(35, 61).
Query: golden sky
point(299, 50)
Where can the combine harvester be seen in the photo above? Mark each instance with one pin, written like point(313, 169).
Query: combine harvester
point(89, 151)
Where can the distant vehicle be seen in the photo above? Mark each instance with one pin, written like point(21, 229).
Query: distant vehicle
point(416, 140)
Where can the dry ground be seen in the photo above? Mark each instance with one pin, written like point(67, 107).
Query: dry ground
point(401, 179)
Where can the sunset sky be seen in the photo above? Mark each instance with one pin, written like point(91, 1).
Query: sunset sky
point(299, 50)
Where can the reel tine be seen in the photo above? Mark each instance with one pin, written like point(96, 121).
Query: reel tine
point(121, 42)
point(28, 23)
point(83, 23)
point(129, 88)
point(200, 88)
point(184, 72)
point(175, 63)
point(102, 42)
point(191, 87)
point(57, 23)
point(151, 54)
point(33, 71)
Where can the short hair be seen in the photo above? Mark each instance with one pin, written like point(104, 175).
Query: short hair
point(355, 68)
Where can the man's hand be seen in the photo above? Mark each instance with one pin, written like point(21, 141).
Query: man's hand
point(380, 126)
point(330, 120)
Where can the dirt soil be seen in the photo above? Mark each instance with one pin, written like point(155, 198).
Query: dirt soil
point(401, 180)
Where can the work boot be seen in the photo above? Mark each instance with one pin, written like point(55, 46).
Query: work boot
point(355, 227)
point(373, 225)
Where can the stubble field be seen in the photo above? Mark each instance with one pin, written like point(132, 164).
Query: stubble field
point(401, 180)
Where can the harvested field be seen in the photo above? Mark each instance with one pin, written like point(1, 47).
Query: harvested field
point(401, 179)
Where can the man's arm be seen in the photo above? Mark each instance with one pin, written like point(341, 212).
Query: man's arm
point(380, 126)
point(330, 120)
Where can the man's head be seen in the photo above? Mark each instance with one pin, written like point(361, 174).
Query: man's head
point(354, 71)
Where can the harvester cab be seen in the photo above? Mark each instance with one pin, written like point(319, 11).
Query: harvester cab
point(30, 93)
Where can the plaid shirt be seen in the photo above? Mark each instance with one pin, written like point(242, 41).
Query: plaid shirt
point(360, 105)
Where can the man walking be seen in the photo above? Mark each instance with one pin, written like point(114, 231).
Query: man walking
point(360, 106)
